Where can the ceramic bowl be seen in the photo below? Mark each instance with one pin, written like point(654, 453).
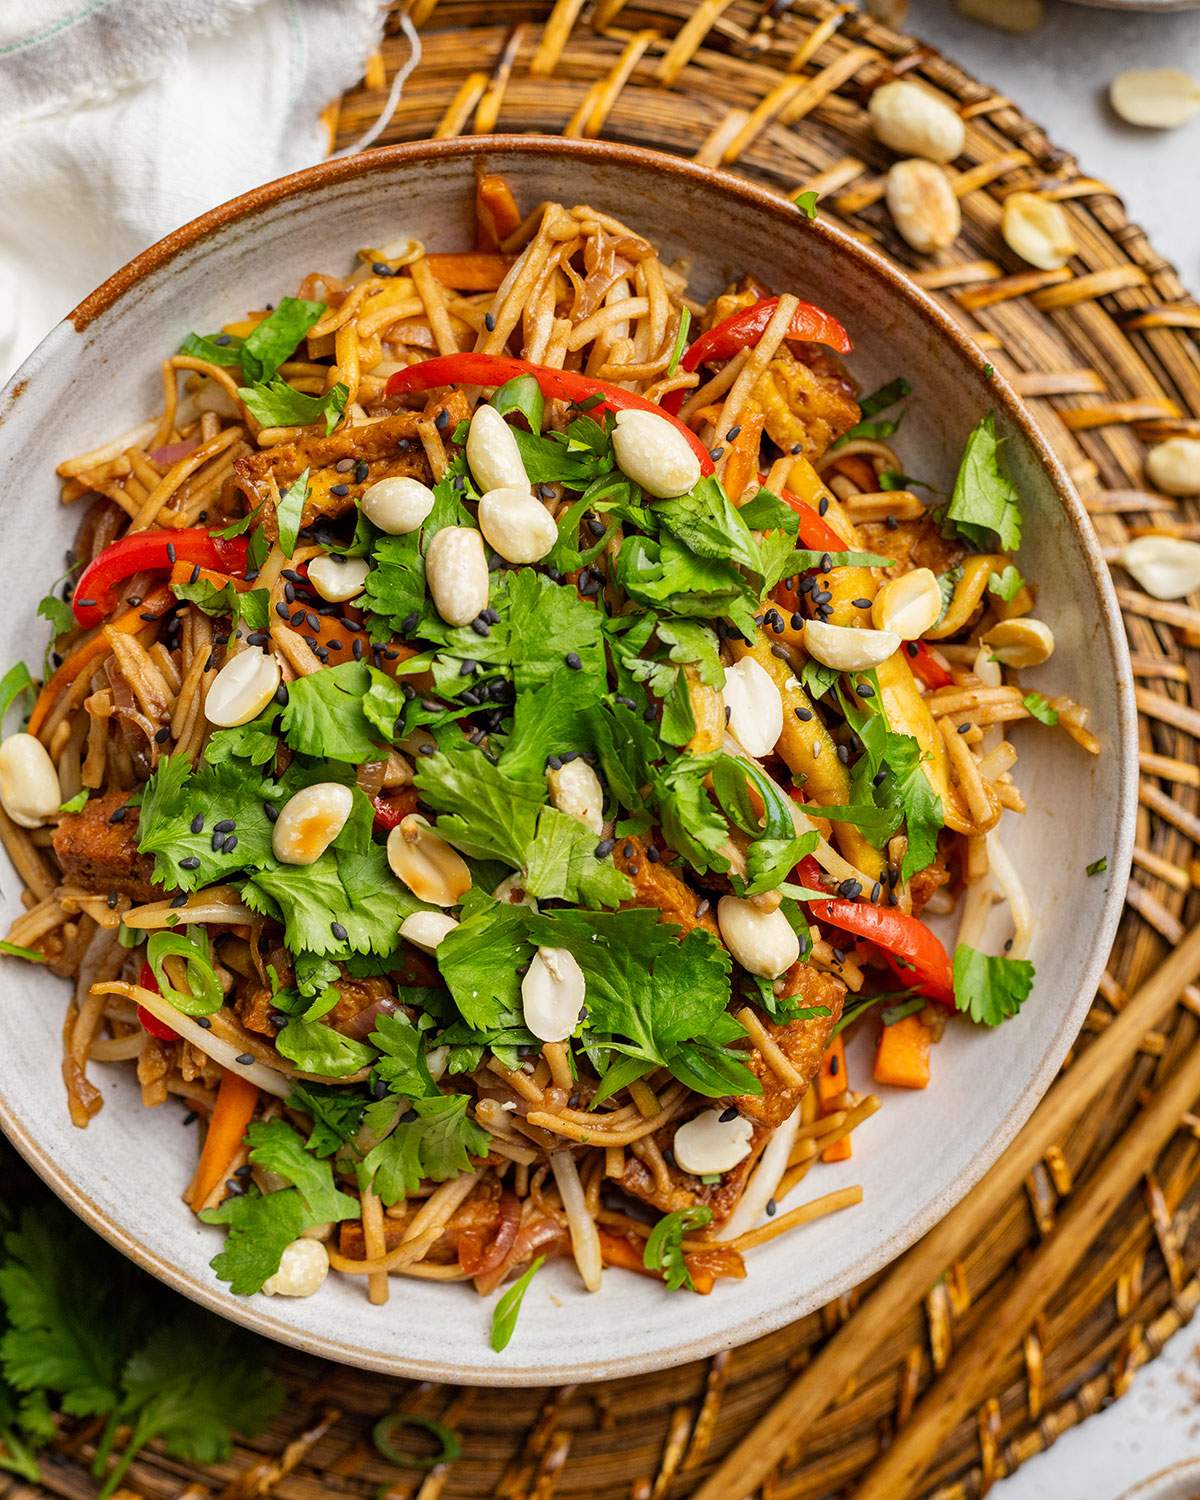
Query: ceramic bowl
point(97, 375)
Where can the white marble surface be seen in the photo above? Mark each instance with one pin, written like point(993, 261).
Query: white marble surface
point(1059, 76)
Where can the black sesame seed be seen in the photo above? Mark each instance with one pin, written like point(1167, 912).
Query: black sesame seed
point(426, 749)
point(573, 661)
point(733, 433)
point(651, 714)
point(480, 626)
point(823, 505)
point(244, 1059)
point(875, 893)
point(338, 931)
point(198, 823)
point(222, 339)
point(604, 848)
point(343, 466)
point(865, 690)
point(231, 842)
point(803, 714)
point(653, 855)
point(339, 489)
point(715, 454)
point(728, 1114)
point(772, 1208)
point(843, 754)
point(281, 694)
point(312, 620)
point(195, 573)
point(489, 322)
point(171, 552)
point(797, 448)
point(161, 736)
point(442, 420)
point(963, 729)
point(911, 647)
point(361, 470)
point(192, 862)
point(623, 700)
point(890, 522)
point(191, 1117)
point(282, 610)
point(554, 762)
point(595, 526)
point(797, 622)
point(780, 652)
point(271, 811)
point(861, 603)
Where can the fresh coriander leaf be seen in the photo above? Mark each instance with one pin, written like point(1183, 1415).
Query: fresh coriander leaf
point(705, 521)
point(504, 1318)
point(383, 703)
point(214, 348)
point(670, 577)
point(947, 583)
point(240, 526)
point(664, 1246)
point(483, 960)
point(486, 813)
point(289, 509)
point(690, 821)
point(276, 338)
point(261, 1227)
point(692, 642)
point(277, 404)
point(256, 742)
point(678, 723)
point(653, 996)
point(561, 864)
point(354, 891)
point(767, 512)
point(1006, 584)
point(816, 679)
point(522, 394)
point(807, 203)
point(1040, 708)
point(325, 714)
point(14, 682)
point(402, 1065)
point(76, 803)
point(435, 1146)
point(71, 1319)
point(985, 506)
point(277, 1148)
point(316, 1048)
point(336, 1115)
point(923, 814)
point(247, 607)
point(681, 339)
point(1098, 866)
point(990, 989)
point(177, 797)
point(192, 1384)
point(886, 396)
point(58, 612)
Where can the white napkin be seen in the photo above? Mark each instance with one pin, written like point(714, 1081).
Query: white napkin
point(122, 119)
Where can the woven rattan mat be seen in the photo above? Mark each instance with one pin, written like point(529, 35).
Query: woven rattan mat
point(1106, 354)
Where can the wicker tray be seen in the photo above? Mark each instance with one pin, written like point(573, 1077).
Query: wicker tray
point(1107, 358)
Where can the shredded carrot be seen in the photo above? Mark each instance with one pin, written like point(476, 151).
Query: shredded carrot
point(95, 650)
point(232, 1113)
point(474, 271)
point(858, 471)
point(902, 1057)
point(496, 212)
point(182, 573)
point(833, 1084)
point(741, 466)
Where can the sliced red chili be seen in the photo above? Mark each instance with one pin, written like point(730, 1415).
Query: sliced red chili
point(555, 385)
point(150, 1022)
point(150, 552)
point(914, 954)
point(809, 325)
point(926, 666)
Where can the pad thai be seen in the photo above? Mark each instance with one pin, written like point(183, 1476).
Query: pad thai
point(506, 721)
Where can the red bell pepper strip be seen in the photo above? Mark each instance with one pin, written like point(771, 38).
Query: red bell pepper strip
point(926, 666)
point(555, 385)
point(912, 951)
point(815, 532)
point(150, 551)
point(809, 325)
point(150, 1022)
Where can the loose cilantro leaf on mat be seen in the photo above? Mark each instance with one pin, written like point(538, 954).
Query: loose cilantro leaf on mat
point(664, 1245)
point(989, 989)
point(504, 1318)
point(985, 507)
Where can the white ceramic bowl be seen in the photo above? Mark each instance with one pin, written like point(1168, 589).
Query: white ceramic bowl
point(97, 375)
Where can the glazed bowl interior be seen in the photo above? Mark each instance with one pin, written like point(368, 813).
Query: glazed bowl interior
point(99, 376)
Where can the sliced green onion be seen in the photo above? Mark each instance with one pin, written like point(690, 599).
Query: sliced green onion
point(14, 950)
point(384, 1433)
point(504, 1319)
point(204, 994)
point(685, 324)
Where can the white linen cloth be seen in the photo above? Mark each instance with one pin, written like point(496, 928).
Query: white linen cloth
point(122, 119)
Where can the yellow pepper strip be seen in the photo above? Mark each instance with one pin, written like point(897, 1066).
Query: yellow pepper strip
point(845, 584)
point(808, 750)
point(806, 484)
point(708, 710)
point(908, 713)
point(968, 594)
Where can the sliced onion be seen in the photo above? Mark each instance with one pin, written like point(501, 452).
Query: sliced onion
point(171, 453)
point(585, 1241)
point(1014, 891)
point(764, 1180)
point(215, 904)
point(362, 1025)
point(224, 1054)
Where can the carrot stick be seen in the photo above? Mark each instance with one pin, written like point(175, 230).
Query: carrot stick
point(473, 271)
point(902, 1057)
point(496, 211)
point(832, 1085)
point(237, 1099)
point(741, 464)
point(95, 650)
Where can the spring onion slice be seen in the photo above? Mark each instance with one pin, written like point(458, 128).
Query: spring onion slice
point(384, 1433)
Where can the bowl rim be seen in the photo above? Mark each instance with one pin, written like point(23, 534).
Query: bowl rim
point(246, 1311)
